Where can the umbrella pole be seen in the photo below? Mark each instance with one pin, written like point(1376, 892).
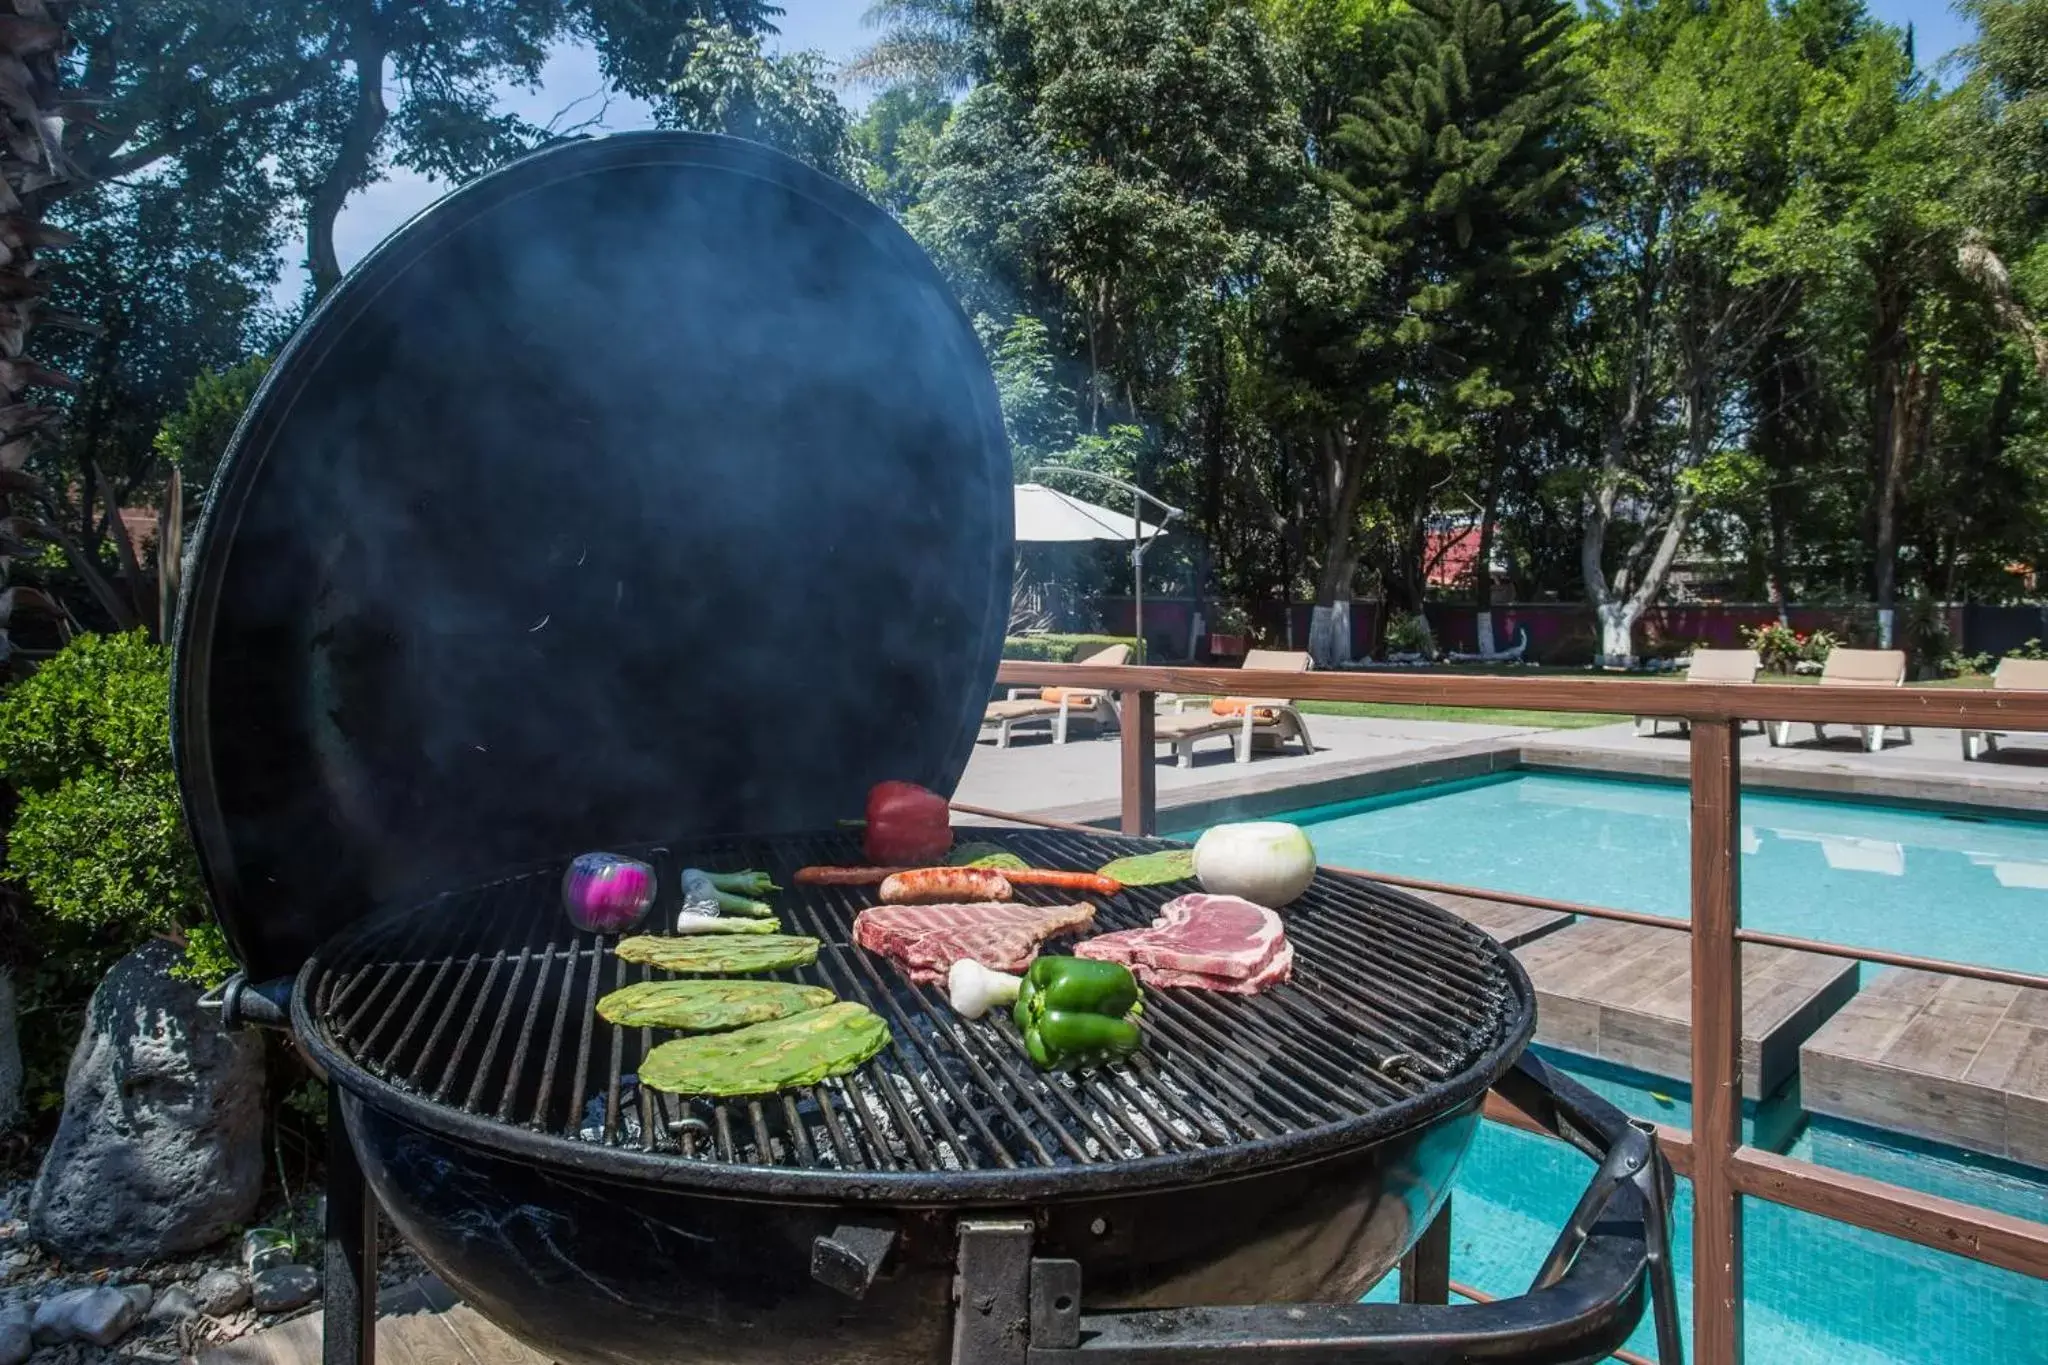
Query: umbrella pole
point(1138, 575)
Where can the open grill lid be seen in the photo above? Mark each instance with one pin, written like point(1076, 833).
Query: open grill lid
point(651, 483)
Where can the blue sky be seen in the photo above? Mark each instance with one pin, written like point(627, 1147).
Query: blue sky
point(832, 27)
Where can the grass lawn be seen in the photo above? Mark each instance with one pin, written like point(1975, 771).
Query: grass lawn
point(1470, 715)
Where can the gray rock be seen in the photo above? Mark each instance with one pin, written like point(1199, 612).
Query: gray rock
point(264, 1248)
point(141, 1295)
point(99, 1315)
point(221, 1292)
point(160, 1147)
point(173, 1305)
point(14, 1265)
point(10, 1054)
point(285, 1288)
point(17, 1334)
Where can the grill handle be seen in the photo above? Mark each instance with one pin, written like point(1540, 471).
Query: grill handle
point(1587, 1298)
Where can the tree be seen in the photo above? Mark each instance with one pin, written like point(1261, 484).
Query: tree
point(1457, 166)
point(897, 137)
point(192, 439)
point(933, 46)
point(729, 85)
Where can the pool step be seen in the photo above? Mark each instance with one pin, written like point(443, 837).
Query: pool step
point(1512, 924)
point(1623, 993)
point(1941, 1057)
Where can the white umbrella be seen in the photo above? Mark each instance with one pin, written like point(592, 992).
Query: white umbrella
point(1046, 515)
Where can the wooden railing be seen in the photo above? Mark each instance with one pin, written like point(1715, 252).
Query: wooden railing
point(1723, 1170)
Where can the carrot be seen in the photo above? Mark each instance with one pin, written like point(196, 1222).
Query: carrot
point(844, 876)
point(1093, 882)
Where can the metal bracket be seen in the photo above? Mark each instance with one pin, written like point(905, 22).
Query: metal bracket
point(242, 1004)
point(992, 1294)
point(850, 1257)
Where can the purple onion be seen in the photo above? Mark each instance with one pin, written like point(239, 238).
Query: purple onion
point(607, 894)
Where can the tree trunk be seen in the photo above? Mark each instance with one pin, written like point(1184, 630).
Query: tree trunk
point(1907, 413)
point(1329, 636)
point(1617, 632)
point(352, 158)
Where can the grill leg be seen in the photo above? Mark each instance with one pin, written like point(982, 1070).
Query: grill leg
point(349, 1333)
point(1426, 1269)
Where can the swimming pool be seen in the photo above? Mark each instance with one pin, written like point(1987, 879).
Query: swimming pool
point(1965, 887)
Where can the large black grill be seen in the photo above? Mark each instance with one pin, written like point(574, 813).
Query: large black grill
point(484, 1002)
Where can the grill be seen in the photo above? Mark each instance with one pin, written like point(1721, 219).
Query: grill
point(655, 487)
point(484, 1001)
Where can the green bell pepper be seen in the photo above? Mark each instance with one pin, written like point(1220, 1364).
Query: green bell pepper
point(1075, 1011)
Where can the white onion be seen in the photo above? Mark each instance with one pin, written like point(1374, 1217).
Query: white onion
point(1267, 862)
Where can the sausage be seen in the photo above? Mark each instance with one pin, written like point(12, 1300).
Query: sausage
point(844, 876)
point(945, 886)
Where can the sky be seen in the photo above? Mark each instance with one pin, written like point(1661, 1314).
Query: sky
point(570, 82)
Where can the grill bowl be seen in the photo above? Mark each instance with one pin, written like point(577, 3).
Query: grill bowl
point(1283, 1148)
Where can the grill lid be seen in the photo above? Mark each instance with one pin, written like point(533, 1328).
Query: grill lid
point(652, 482)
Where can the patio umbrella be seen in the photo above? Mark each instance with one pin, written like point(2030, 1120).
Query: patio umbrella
point(1048, 516)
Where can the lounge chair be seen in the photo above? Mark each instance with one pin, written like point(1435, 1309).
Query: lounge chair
point(1854, 668)
point(1711, 666)
point(1056, 706)
point(1262, 723)
point(2013, 675)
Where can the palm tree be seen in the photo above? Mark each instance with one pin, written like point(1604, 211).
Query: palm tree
point(931, 43)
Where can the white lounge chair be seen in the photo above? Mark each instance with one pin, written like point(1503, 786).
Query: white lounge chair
point(2013, 675)
point(1854, 668)
point(1735, 666)
point(1250, 723)
point(1056, 706)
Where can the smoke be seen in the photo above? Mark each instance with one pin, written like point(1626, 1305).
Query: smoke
point(643, 502)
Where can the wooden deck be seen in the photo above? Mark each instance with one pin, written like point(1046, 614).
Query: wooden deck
point(1958, 1061)
point(419, 1323)
point(1512, 924)
point(1623, 993)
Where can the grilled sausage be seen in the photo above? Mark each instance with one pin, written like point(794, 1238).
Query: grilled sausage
point(945, 886)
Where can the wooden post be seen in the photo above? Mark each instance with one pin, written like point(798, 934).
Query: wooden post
point(1141, 780)
point(1426, 1269)
point(1716, 1042)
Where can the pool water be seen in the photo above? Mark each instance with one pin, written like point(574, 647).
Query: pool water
point(1813, 1291)
point(1964, 887)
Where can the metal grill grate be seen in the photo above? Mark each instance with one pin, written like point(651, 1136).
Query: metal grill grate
point(486, 1002)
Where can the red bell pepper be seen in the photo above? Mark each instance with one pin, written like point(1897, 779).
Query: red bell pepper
point(907, 826)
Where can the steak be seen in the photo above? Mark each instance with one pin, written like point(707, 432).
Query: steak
point(926, 940)
point(1218, 943)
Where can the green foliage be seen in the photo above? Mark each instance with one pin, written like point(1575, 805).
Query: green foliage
point(1409, 634)
point(729, 85)
point(98, 839)
point(1776, 644)
point(1060, 649)
point(193, 439)
point(896, 138)
point(1037, 415)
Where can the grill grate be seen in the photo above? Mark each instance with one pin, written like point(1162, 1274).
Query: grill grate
point(485, 1001)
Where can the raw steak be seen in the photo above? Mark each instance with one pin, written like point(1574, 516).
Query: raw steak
point(928, 939)
point(1221, 943)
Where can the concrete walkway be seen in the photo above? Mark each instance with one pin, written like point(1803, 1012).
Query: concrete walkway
point(1080, 780)
point(1361, 756)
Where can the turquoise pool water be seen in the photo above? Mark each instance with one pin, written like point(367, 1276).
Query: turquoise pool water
point(1813, 1291)
point(1967, 888)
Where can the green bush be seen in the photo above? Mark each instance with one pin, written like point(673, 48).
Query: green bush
point(98, 839)
point(1060, 649)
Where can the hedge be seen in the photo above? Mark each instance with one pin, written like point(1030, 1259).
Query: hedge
point(1061, 649)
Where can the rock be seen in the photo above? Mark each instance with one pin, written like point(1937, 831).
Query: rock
point(264, 1248)
point(284, 1288)
point(99, 1315)
point(173, 1305)
point(17, 1334)
point(221, 1292)
point(14, 1265)
point(160, 1147)
point(10, 1054)
point(141, 1295)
